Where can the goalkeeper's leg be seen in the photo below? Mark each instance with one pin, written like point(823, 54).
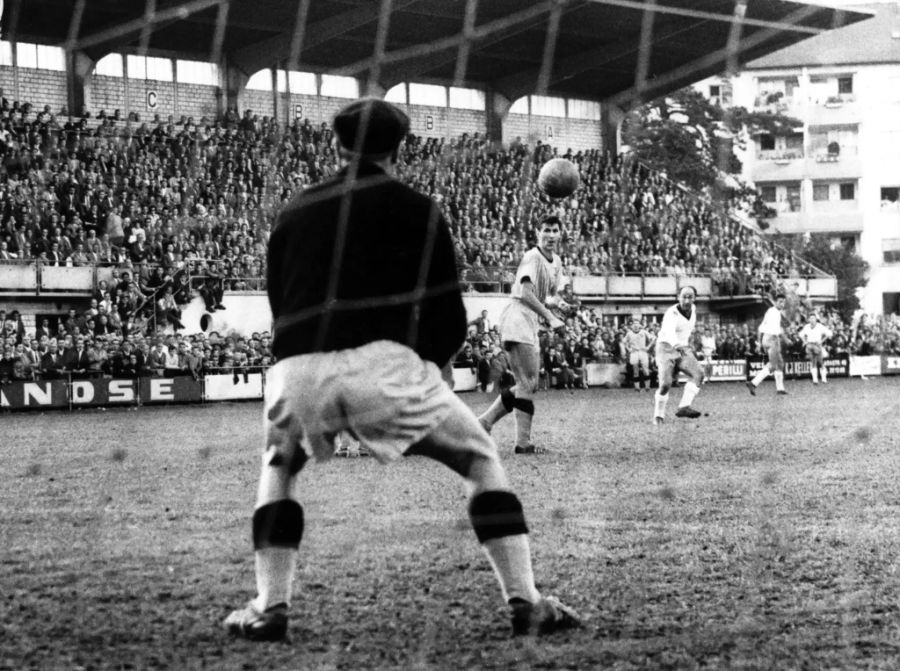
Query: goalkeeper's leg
point(497, 519)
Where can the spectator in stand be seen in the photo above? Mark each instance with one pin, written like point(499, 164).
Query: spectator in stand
point(52, 364)
point(76, 360)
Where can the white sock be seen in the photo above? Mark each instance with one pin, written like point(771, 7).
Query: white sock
point(815, 373)
point(690, 393)
point(275, 568)
point(779, 380)
point(760, 376)
point(510, 557)
point(824, 374)
point(661, 401)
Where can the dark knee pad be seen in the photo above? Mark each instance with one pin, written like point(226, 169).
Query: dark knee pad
point(496, 514)
point(508, 399)
point(526, 405)
point(278, 524)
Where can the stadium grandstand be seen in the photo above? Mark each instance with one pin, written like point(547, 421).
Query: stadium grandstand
point(142, 170)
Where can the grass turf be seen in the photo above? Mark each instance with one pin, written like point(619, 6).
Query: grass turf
point(762, 537)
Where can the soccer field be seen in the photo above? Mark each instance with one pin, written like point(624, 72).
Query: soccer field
point(765, 536)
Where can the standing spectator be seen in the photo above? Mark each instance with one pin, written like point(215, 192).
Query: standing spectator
point(76, 360)
point(52, 364)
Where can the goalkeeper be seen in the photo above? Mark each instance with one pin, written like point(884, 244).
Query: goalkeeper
point(364, 291)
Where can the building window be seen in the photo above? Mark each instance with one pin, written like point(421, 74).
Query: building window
point(766, 142)
point(340, 87)
point(428, 94)
point(584, 109)
point(149, 67)
point(820, 192)
point(299, 82)
point(520, 106)
point(891, 250)
point(197, 72)
point(548, 106)
point(793, 197)
point(467, 99)
point(715, 91)
point(6, 53)
point(397, 94)
point(794, 142)
point(111, 65)
point(848, 191)
point(260, 81)
point(767, 193)
point(845, 84)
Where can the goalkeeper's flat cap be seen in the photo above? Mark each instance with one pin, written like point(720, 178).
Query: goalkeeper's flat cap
point(371, 126)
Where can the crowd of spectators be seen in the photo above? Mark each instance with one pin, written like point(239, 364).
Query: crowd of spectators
point(69, 347)
point(185, 193)
point(592, 337)
point(184, 207)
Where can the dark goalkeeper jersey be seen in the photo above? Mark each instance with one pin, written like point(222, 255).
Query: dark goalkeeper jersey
point(390, 275)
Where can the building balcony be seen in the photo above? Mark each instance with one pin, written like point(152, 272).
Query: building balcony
point(833, 112)
point(780, 156)
point(822, 220)
point(824, 166)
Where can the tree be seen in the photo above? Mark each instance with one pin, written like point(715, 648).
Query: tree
point(850, 269)
point(692, 140)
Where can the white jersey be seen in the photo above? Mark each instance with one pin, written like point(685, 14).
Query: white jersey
point(815, 335)
point(676, 329)
point(637, 342)
point(771, 323)
point(546, 275)
point(518, 322)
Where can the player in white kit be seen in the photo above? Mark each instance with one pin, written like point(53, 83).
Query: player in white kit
point(814, 335)
point(673, 353)
point(538, 282)
point(771, 331)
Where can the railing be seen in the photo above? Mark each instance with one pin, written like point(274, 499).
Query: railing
point(17, 278)
point(779, 155)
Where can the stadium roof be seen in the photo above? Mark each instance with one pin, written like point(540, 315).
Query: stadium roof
point(869, 42)
point(606, 50)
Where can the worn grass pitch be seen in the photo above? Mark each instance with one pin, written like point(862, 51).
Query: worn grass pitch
point(765, 536)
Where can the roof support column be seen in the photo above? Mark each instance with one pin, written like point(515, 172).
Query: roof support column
point(496, 109)
point(233, 83)
point(611, 118)
point(78, 67)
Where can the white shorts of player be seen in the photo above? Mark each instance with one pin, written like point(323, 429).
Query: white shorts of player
point(383, 393)
point(518, 323)
point(639, 359)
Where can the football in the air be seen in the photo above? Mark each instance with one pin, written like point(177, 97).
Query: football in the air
point(558, 178)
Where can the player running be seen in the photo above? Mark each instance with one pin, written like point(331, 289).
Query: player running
point(637, 345)
point(771, 331)
point(673, 353)
point(538, 281)
point(814, 335)
point(361, 345)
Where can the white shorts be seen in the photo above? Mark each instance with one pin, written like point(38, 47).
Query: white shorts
point(639, 359)
point(383, 393)
point(518, 323)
